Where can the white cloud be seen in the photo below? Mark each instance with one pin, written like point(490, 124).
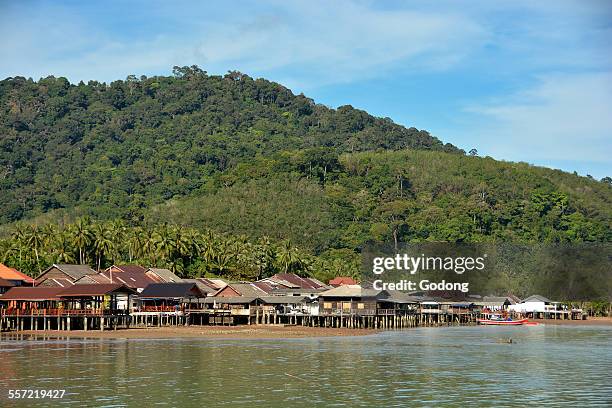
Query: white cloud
point(562, 117)
point(310, 43)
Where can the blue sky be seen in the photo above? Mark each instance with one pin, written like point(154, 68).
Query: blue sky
point(518, 80)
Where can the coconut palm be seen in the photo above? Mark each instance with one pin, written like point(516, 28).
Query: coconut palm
point(103, 245)
point(81, 237)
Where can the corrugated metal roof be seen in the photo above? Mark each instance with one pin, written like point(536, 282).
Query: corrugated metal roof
point(132, 279)
point(349, 291)
point(171, 290)
point(129, 268)
point(98, 289)
point(283, 300)
point(37, 293)
point(201, 285)
point(246, 289)
point(56, 282)
point(342, 280)
point(165, 275)
point(265, 286)
point(91, 279)
point(304, 283)
point(74, 271)
point(536, 298)
point(231, 300)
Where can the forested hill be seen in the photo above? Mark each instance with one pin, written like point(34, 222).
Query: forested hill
point(142, 141)
point(244, 156)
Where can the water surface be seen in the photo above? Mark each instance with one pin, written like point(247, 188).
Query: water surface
point(545, 365)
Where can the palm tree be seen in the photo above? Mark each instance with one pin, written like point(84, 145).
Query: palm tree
point(81, 237)
point(20, 237)
point(103, 245)
point(164, 242)
point(62, 250)
point(34, 238)
point(135, 243)
point(288, 257)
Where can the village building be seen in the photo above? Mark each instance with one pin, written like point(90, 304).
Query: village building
point(133, 276)
point(63, 275)
point(244, 289)
point(535, 304)
point(293, 281)
point(348, 300)
point(204, 287)
point(171, 297)
point(162, 275)
point(5, 285)
point(101, 298)
point(15, 277)
point(342, 280)
point(495, 303)
point(22, 299)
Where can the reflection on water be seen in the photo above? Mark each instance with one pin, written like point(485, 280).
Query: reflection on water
point(454, 366)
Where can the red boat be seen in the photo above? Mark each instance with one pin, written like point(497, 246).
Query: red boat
point(500, 322)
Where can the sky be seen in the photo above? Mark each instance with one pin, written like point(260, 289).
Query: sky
point(518, 80)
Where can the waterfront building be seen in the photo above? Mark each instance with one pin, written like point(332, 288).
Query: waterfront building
point(63, 275)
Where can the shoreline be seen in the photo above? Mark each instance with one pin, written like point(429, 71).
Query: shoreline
point(592, 321)
point(245, 332)
point(203, 332)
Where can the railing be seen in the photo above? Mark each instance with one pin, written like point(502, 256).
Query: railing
point(347, 312)
point(61, 312)
point(159, 309)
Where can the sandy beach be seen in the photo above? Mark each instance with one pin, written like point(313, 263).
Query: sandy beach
point(233, 332)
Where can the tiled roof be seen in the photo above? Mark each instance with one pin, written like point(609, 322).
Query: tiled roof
point(9, 273)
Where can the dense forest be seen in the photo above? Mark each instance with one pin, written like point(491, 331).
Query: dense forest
point(244, 163)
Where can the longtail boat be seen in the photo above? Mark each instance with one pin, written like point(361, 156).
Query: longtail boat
point(497, 320)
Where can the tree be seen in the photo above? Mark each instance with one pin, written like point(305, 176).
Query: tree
point(473, 152)
point(395, 215)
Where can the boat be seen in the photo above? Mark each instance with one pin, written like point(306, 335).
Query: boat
point(497, 320)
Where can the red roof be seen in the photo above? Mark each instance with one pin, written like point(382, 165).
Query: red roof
point(132, 279)
point(9, 273)
point(129, 268)
point(98, 289)
point(302, 283)
point(265, 286)
point(5, 284)
point(342, 280)
point(32, 293)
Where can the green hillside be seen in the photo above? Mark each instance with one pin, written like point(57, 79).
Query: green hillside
point(239, 159)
